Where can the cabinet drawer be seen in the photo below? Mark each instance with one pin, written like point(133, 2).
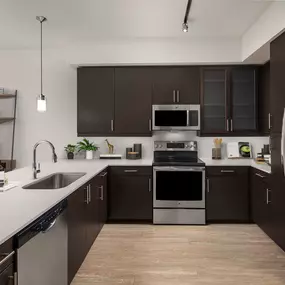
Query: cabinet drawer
point(131, 170)
point(226, 170)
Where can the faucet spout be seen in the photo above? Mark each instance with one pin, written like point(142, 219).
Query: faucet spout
point(36, 169)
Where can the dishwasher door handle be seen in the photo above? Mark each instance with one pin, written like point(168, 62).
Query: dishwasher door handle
point(49, 227)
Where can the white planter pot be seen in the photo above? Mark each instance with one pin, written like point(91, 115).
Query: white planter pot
point(89, 154)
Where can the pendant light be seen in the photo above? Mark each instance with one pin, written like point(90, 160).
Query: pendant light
point(41, 99)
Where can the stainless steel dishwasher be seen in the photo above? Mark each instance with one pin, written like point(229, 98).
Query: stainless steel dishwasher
point(42, 249)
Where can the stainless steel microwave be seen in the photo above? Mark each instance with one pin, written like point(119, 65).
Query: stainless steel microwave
point(176, 117)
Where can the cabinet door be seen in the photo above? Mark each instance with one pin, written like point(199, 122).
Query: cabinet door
point(103, 198)
point(133, 95)
point(259, 209)
point(130, 196)
point(7, 276)
point(176, 85)
point(264, 116)
point(92, 213)
point(214, 101)
point(277, 82)
point(95, 101)
point(228, 195)
point(77, 249)
point(243, 100)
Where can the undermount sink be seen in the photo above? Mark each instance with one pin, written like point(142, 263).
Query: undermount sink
point(55, 181)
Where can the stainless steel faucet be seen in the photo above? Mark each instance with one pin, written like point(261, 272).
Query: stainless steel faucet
point(36, 169)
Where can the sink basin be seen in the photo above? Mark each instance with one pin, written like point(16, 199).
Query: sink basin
point(54, 181)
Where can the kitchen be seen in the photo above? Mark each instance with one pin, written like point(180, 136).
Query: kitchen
point(114, 221)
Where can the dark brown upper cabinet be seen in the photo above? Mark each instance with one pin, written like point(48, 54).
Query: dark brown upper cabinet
point(277, 83)
point(133, 91)
point(264, 99)
point(214, 100)
point(175, 85)
point(95, 101)
point(229, 101)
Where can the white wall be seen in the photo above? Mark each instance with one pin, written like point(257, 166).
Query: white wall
point(265, 29)
point(21, 70)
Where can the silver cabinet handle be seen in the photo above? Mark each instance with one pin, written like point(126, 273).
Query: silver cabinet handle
point(174, 99)
point(101, 192)
point(149, 125)
point(227, 171)
point(269, 121)
point(149, 185)
point(208, 185)
point(7, 257)
point(178, 96)
point(232, 125)
point(267, 196)
point(228, 125)
point(87, 195)
point(104, 174)
point(89, 187)
point(131, 170)
point(112, 125)
point(259, 175)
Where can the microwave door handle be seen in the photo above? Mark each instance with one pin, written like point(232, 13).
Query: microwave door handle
point(188, 118)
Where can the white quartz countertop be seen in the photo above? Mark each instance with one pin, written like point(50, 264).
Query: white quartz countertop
point(20, 207)
point(237, 162)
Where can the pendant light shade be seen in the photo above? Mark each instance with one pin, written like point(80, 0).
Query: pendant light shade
point(41, 103)
point(41, 99)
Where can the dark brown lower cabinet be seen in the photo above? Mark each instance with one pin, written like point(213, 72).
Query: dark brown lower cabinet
point(227, 198)
point(85, 220)
point(6, 267)
point(130, 193)
point(7, 275)
point(267, 205)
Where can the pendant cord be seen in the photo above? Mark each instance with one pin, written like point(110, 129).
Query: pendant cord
point(41, 58)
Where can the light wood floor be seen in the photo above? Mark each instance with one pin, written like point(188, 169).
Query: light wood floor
point(180, 255)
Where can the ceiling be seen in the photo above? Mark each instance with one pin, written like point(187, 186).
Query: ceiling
point(93, 20)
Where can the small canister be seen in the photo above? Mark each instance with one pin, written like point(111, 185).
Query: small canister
point(128, 150)
point(138, 149)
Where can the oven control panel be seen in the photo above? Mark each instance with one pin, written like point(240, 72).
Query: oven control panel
point(175, 146)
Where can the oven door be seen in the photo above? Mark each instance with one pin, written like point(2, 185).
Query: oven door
point(179, 187)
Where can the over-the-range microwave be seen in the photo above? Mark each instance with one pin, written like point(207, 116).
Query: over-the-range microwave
point(176, 117)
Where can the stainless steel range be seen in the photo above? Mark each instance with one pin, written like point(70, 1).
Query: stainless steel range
point(178, 183)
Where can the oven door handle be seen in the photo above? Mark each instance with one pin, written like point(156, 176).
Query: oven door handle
point(178, 168)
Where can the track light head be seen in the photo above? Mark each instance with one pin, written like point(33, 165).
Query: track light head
point(185, 27)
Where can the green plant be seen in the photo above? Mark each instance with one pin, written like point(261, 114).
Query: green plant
point(86, 145)
point(70, 148)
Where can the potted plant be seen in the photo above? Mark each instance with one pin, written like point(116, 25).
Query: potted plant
point(89, 147)
point(70, 150)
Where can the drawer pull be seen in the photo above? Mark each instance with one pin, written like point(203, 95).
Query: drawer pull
point(259, 175)
point(131, 170)
point(7, 257)
point(227, 171)
point(104, 174)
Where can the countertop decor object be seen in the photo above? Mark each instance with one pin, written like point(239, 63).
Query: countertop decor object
point(217, 150)
point(110, 147)
point(87, 146)
point(70, 150)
